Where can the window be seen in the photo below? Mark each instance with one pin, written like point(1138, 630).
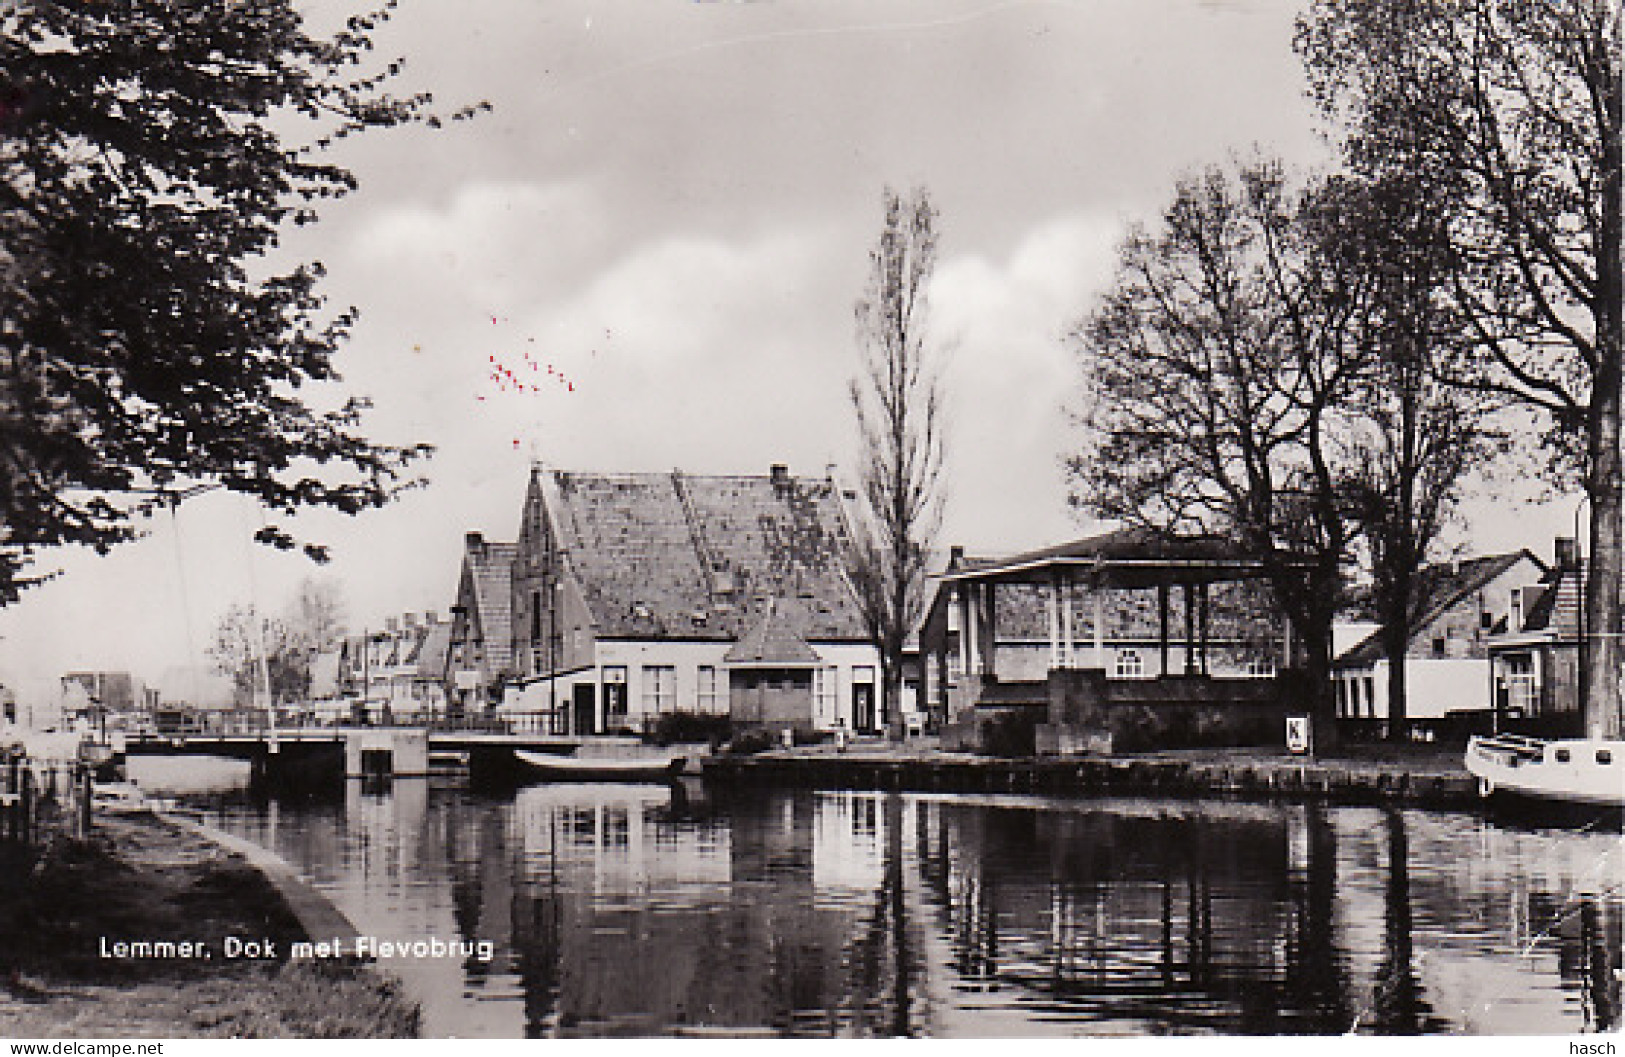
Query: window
point(1130, 665)
point(1261, 666)
point(824, 684)
point(1604, 757)
point(712, 698)
point(1562, 755)
point(1438, 646)
point(659, 688)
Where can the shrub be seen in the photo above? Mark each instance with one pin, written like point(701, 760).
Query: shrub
point(674, 727)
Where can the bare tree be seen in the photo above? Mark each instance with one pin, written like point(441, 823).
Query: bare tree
point(317, 616)
point(897, 398)
point(1414, 433)
point(1517, 106)
point(1217, 375)
point(261, 654)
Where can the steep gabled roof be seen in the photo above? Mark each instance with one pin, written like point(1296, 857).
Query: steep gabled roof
point(686, 556)
point(771, 640)
point(1443, 585)
point(486, 589)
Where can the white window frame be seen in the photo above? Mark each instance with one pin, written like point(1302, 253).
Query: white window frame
point(1129, 665)
point(826, 684)
point(711, 695)
point(659, 689)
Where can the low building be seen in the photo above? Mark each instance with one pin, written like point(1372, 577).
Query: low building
point(1125, 639)
point(1447, 659)
point(637, 595)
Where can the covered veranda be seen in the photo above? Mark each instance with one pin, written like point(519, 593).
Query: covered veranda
point(1084, 582)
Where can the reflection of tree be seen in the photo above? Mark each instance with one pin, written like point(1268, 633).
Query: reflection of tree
point(883, 959)
point(1314, 978)
point(1397, 1004)
point(1600, 953)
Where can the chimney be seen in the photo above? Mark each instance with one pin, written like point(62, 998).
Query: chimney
point(1567, 549)
point(431, 618)
point(780, 473)
point(475, 542)
point(411, 620)
point(956, 556)
point(391, 625)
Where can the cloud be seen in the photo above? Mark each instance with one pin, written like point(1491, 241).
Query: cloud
point(1011, 375)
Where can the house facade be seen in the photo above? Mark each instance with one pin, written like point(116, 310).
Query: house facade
point(1447, 661)
point(480, 657)
point(398, 670)
point(637, 595)
point(1535, 681)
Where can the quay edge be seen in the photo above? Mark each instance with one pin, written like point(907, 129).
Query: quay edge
point(1332, 781)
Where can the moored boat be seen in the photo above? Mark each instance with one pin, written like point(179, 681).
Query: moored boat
point(601, 769)
point(1569, 771)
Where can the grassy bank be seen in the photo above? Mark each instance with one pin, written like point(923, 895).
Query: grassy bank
point(141, 879)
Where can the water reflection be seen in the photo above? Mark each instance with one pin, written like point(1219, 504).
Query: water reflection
point(639, 910)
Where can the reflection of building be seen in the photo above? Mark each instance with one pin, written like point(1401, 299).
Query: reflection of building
point(635, 595)
point(1447, 664)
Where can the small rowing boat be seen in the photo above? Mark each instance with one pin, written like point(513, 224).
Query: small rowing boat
point(601, 769)
point(1571, 771)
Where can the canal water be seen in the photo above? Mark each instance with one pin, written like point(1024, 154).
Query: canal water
point(646, 910)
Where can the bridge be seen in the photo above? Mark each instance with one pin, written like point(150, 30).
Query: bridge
point(402, 747)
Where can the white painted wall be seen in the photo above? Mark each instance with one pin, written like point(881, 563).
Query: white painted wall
point(686, 659)
point(1434, 687)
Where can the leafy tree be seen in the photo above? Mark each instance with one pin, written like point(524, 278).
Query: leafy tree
point(149, 344)
point(1515, 107)
point(898, 403)
point(1217, 374)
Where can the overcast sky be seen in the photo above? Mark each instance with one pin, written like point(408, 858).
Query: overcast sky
point(662, 228)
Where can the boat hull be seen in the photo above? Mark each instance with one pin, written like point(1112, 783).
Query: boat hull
point(1589, 773)
point(573, 769)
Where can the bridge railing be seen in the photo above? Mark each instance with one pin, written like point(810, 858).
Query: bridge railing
point(241, 723)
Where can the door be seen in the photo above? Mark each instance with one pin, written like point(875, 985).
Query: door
point(585, 719)
point(863, 707)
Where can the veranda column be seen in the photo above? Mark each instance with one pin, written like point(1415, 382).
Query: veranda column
point(1202, 611)
point(962, 599)
point(1190, 628)
point(990, 645)
point(1055, 620)
point(1162, 629)
point(1066, 621)
point(1100, 625)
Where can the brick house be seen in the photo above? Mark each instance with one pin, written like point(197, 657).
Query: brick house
point(634, 595)
point(479, 656)
point(1447, 665)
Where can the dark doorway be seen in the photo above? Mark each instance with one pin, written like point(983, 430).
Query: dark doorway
point(863, 707)
point(582, 700)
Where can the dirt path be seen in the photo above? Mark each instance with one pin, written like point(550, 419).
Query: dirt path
point(143, 881)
